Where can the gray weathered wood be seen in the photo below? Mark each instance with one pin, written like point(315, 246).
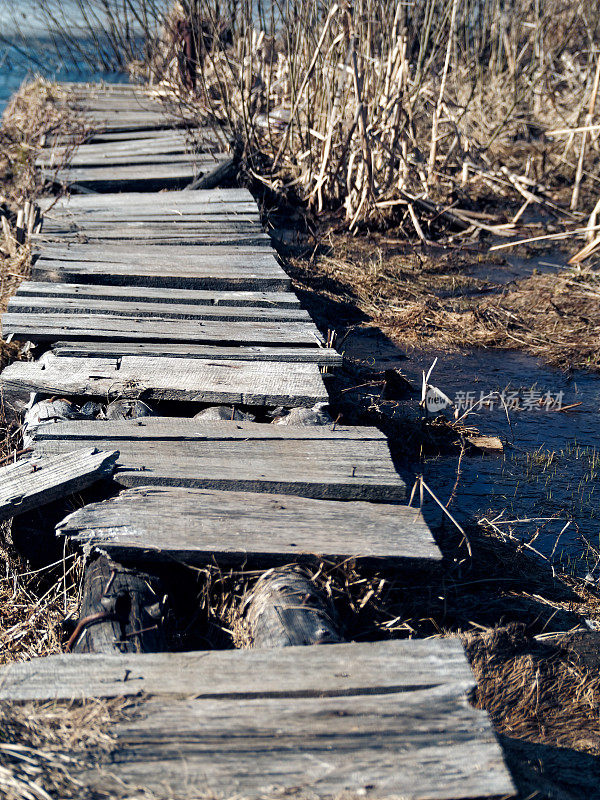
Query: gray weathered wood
point(152, 176)
point(336, 467)
point(21, 304)
point(416, 745)
point(160, 234)
point(185, 429)
point(201, 274)
point(120, 611)
point(37, 481)
point(50, 327)
point(285, 608)
point(339, 670)
point(200, 297)
point(198, 526)
point(240, 382)
point(317, 355)
point(152, 156)
point(130, 200)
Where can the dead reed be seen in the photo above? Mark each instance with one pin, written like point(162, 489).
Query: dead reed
point(387, 110)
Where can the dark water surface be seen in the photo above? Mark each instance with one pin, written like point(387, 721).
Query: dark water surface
point(548, 476)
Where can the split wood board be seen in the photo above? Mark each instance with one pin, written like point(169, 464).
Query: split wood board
point(389, 719)
point(139, 237)
point(169, 142)
point(342, 670)
point(152, 176)
point(174, 222)
point(243, 529)
point(314, 355)
point(99, 327)
point(126, 200)
point(226, 274)
point(138, 308)
point(196, 212)
point(160, 234)
point(337, 467)
point(193, 380)
point(37, 481)
point(202, 162)
point(83, 292)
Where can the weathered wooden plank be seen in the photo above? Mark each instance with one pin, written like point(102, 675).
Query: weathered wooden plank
point(339, 670)
point(249, 235)
point(132, 253)
point(314, 355)
point(179, 429)
point(326, 469)
point(418, 745)
point(50, 327)
point(211, 212)
point(205, 266)
point(151, 176)
point(120, 611)
point(96, 161)
point(125, 200)
point(240, 382)
point(209, 274)
point(84, 292)
point(169, 142)
point(37, 481)
point(120, 229)
point(198, 526)
point(20, 304)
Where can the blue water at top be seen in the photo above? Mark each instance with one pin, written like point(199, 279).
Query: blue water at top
point(30, 46)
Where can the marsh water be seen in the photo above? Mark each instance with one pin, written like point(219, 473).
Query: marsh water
point(544, 486)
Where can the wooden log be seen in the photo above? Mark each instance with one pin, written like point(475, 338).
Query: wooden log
point(285, 609)
point(37, 481)
point(120, 611)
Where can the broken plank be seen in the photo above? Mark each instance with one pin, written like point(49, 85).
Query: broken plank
point(234, 529)
point(316, 355)
point(37, 481)
point(163, 295)
point(342, 670)
point(240, 382)
point(50, 327)
point(336, 469)
point(20, 304)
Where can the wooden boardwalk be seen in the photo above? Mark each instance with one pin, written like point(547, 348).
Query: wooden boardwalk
point(176, 300)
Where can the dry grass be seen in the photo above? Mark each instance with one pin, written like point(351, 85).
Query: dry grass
point(43, 747)
point(430, 298)
point(388, 111)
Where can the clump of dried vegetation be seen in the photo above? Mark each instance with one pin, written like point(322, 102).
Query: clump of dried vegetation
point(448, 124)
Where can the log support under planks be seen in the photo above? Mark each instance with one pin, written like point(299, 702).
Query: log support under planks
point(285, 608)
point(121, 611)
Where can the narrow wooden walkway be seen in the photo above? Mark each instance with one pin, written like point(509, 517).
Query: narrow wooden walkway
point(176, 299)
